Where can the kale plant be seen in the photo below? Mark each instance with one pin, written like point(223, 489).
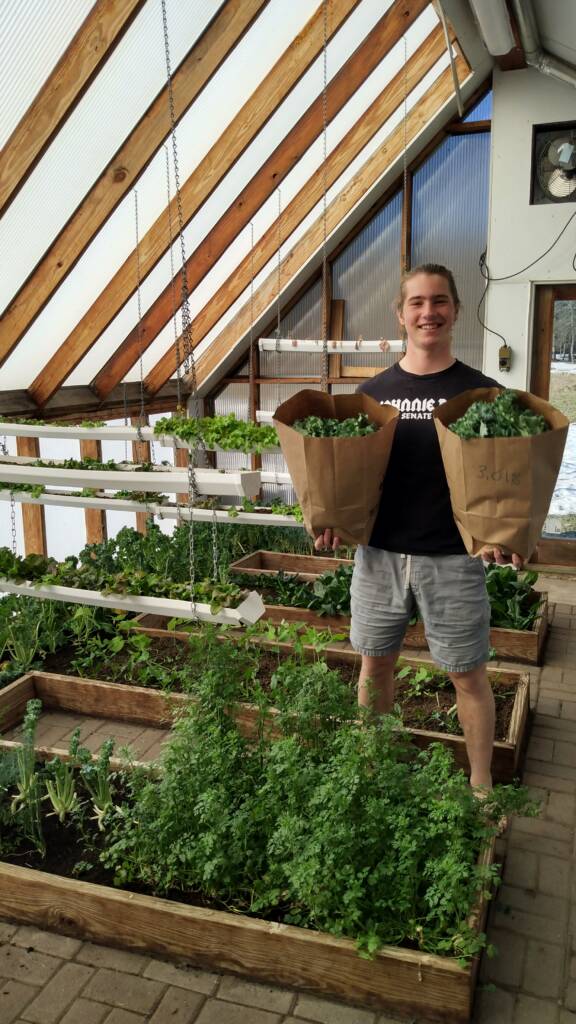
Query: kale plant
point(505, 416)
point(354, 426)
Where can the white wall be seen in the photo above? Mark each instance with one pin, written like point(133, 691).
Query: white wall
point(518, 232)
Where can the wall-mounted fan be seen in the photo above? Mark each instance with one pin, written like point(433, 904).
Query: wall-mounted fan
point(554, 164)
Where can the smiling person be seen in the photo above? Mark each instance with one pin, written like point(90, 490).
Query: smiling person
point(416, 556)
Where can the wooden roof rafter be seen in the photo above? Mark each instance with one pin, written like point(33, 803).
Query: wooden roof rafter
point(93, 44)
point(365, 59)
point(428, 107)
point(429, 51)
point(128, 163)
point(195, 191)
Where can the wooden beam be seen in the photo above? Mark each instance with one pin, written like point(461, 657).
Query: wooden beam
point(468, 127)
point(354, 72)
point(428, 106)
point(304, 201)
point(89, 50)
point(94, 518)
point(116, 180)
point(203, 180)
point(72, 404)
point(141, 453)
point(33, 518)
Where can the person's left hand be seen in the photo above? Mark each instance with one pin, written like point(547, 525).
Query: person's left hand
point(494, 553)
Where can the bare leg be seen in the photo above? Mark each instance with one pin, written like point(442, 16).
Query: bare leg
point(476, 713)
point(376, 683)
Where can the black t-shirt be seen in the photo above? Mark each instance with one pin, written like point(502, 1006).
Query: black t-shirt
point(415, 514)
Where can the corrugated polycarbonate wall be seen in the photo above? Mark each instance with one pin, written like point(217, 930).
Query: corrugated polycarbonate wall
point(367, 276)
point(449, 226)
point(303, 321)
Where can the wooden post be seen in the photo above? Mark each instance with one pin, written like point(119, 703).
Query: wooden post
point(33, 519)
point(95, 519)
point(140, 453)
point(335, 333)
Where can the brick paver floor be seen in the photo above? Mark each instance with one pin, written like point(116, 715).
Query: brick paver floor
point(51, 979)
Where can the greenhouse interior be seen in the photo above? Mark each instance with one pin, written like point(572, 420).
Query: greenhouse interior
point(288, 529)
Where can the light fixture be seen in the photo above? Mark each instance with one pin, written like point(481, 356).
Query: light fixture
point(494, 24)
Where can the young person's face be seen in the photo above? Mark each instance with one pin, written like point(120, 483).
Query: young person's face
point(428, 312)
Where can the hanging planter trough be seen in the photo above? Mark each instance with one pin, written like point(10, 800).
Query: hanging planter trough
point(108, 502)
point(408, 982)
point(249, 611)
point(244, 483)
point(353, 347)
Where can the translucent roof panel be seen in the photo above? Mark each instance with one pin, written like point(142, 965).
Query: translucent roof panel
point(35, 34)
point(115, 101)
point(240, 174)
point(107, 113)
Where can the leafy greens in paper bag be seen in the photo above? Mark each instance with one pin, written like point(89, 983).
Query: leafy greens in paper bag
point(501, 487)
point(338, 480)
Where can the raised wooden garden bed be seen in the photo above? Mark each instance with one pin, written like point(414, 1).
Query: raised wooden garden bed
point(522, 645)
point(432, 987)
point(270, 563)
point(118, 702)
point(507, 756)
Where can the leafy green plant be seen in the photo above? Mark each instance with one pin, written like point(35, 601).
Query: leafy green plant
point(99, 781)
point(514, 603)
point(505, 416)
point(26, 800)
point(335, 824)
point(354, 426)
point(34, 489)
point(61, 782)
point(226, 432)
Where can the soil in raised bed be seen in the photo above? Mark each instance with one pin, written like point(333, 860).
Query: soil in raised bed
point(426, 710)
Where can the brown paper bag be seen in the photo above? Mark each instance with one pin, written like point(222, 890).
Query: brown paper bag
point(501, 487)
point(338, 480)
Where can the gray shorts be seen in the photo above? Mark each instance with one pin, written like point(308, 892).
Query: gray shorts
point(449, 591)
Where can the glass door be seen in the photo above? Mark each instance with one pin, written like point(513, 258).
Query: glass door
point(554, 378)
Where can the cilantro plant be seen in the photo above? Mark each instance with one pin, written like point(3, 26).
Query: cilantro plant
point(355, 426)
point(505, 416)
point(336, 825)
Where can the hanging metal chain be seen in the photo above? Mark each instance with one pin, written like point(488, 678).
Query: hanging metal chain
point(125, 403)
point(324, 371)
point(277, 367)
point(405, 145)
point(142, 413)
point(5, 453)
point(173, 287)
point(189, 364)
point(251, 376)
point(189, 367)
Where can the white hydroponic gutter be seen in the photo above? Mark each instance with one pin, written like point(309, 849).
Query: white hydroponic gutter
point(119, 433)
point(242, 483)
point(249, 611)
point(182, 512)
point(334, 347)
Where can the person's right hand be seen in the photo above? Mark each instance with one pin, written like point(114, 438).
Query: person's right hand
point(327, 540)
